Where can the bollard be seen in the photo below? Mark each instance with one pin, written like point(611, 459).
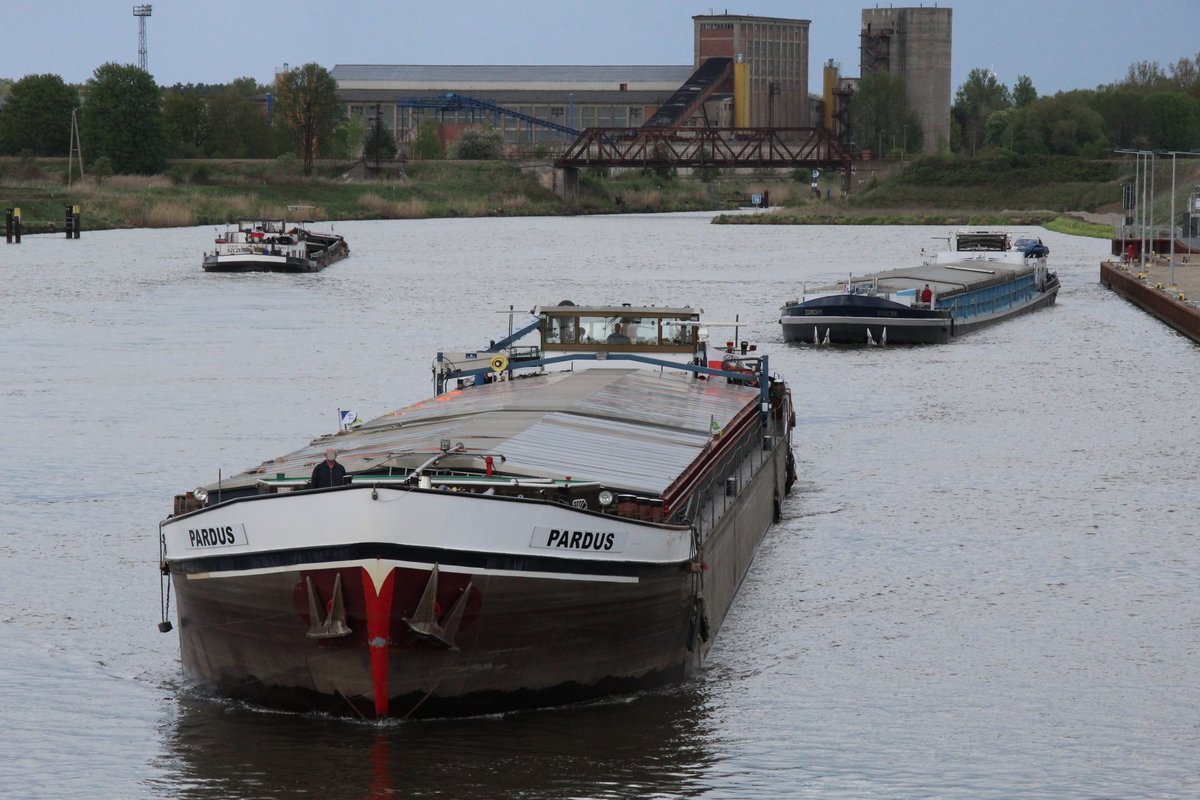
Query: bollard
point(17, 225)
point(67, 228)
point(8, 226)
point(75, 219)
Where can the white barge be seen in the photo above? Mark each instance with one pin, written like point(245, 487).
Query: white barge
point(274, 246)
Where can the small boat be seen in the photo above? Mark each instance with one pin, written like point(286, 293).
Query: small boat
point(561, 521)
point(274, 246)
point(984, 278)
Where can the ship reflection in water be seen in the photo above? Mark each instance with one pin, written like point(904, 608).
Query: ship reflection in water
point(222, 749)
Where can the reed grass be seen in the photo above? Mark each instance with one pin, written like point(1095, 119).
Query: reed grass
point(169, 214)
point(514, 203)
point(137, 183)
point(646, 200)
point(469, 207)
point(378, 206)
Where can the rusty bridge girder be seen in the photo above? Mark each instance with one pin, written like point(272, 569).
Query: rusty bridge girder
point(706, 147)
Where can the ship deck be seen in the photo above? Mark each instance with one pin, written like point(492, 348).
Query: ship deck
point(629, 428)
point(944, 278)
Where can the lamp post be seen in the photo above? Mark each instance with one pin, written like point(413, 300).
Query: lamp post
point(1135, 210)
point(1146, 233)
point(1142, 215)
point(1137, 187)
point(1150, 208)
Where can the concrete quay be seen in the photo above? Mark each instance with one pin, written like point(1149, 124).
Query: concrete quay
point(1148, 287)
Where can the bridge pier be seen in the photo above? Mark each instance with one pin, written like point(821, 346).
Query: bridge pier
point(568, 187)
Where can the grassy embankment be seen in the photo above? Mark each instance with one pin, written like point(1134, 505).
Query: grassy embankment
point(215, 192)
point(935, 191)
point(985, 191)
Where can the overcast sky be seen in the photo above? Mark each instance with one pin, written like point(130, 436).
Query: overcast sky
point(1060, 44)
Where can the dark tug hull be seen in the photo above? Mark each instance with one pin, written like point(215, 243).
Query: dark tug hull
point(852, 326)
point(279, 667)
point(277, 264)
point(523, 641)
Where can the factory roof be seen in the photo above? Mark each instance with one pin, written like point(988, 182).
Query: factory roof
point(512, 96)
point(512, 73)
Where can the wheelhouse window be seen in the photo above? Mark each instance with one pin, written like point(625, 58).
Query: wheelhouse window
point(560, 330)
point(678, 333)
point(657, 333)
point(596, 330)
point(640, 330)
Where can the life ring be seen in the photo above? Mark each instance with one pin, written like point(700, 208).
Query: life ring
point(499, 363)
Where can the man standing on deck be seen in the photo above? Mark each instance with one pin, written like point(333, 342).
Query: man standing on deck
point(328, 473)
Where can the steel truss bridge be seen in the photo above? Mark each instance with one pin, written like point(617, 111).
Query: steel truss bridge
point(707, 147)
point(661, 143)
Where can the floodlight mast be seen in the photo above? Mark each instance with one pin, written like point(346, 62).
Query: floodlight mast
point(141, 12)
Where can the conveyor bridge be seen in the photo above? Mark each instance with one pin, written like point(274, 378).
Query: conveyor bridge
point(679, 107)
point(455, 102)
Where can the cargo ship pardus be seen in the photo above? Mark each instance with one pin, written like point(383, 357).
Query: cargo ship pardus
point(560, 521)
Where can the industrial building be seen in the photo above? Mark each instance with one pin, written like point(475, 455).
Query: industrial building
point(746, 72)
point(775, 54)
point(538, 107)
point(571, 97)
point(914, 43)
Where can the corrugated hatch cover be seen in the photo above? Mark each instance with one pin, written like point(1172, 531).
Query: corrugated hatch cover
point(631, 429)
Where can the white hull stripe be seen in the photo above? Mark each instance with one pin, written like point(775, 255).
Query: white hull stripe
point(372, 567)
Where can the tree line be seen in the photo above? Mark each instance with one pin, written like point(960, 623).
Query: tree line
point(1150, 109)
point(128, 124)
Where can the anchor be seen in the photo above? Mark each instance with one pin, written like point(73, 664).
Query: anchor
point(424, 623)
point(320, 626)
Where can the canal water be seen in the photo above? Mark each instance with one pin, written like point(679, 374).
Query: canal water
point(985, 585)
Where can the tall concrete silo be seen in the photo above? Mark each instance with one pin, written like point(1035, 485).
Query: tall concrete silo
point(914, 43)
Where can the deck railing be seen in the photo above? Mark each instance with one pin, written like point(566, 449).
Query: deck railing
point(720, 490)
